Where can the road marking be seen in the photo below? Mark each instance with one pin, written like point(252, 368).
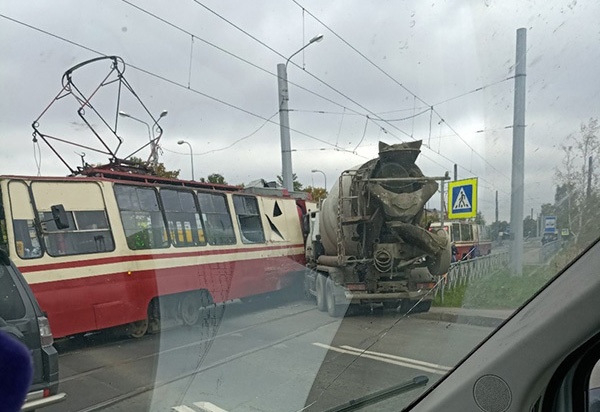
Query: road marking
point(183, 408)
point(399, 358)
point(203, 406)
point(406, 362)
point(208, 407)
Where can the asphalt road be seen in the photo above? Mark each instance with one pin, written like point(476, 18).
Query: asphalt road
point(266, 355)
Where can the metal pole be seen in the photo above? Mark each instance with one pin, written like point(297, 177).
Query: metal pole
point(518, 156)
point(455, 172)
point(284, 127)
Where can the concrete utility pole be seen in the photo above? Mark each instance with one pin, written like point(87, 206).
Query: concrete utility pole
point(518, 156)
point(496, 206)
point(284, 118)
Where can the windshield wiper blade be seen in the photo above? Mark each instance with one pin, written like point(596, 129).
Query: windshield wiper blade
point(381, 395)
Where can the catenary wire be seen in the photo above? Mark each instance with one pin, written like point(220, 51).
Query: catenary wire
point(180, 85)
point(335, 147)
point(399, 84)
point(326, 84)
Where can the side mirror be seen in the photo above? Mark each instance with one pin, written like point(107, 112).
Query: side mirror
point(60, 216)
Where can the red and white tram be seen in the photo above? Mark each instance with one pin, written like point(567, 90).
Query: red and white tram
point(137, 245)
point(470, 239)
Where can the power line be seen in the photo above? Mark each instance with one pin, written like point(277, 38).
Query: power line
point(180, 85)
point(408, 117)
point(235, 56)
point(339, 92)
point(291, 62)
point(252, 64)
point(398, 83)
point(473, 91)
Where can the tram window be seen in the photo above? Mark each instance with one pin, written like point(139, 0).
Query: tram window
point(456, 232)
point(26, 239)
point(246, 209)
point(142, 219)
point(216, 218)
point(183, 218)
point(88, 232)
point(466, 232)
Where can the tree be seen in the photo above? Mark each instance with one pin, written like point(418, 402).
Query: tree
point(296, 183)
point(160, 171)
point(529, 227)
point(497, 228)
point(575, 197)
point(479, 219)
point(317, 193)
point(214, 178)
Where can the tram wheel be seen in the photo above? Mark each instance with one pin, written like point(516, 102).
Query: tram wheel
point(189, 309)
point(138, 329)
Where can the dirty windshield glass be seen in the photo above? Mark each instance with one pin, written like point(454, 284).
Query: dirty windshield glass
point(290, 205)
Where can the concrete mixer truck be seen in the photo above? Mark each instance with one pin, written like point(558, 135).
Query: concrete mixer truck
point(370, 244)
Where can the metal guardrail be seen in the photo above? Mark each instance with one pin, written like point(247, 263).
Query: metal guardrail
point(465, 271)
point(549, 249)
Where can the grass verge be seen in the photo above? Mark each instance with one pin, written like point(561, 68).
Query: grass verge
point(499, 290)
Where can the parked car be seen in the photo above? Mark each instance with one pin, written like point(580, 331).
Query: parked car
point(21, 317)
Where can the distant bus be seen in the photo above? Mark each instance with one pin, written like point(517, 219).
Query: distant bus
point(470, 239)
point(124, 249)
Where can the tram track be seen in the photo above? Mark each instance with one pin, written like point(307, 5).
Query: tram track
point(154, 354)
point(149, 387)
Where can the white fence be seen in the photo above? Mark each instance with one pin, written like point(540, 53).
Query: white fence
point(465, 271)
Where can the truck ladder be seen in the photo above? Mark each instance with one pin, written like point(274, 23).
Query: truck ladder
point(356, 177)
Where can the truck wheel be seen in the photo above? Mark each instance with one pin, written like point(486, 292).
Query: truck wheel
point(334, 310)
point(409, 306)
point(423, 306)
point(321, 292)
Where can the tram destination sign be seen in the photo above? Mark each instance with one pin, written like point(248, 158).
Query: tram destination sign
point(462, 199)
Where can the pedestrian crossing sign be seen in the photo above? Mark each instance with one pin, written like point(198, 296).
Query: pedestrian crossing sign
point(462, 199)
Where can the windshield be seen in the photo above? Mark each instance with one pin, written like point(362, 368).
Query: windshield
point(286, 206)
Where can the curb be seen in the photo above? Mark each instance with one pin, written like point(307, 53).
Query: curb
point(475, 320)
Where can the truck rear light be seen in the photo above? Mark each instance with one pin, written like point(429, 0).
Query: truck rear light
point(428, 285)
point(46, 337)
point(46, 392)
point(356, 286)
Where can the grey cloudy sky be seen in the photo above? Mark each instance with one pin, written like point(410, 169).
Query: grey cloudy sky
point(432, 51)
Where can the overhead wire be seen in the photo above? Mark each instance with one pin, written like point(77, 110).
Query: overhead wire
point(478, 89)
point(260, 68)
point(180, 85)
point(235, 56)
point(398, 83)
point(370, 112)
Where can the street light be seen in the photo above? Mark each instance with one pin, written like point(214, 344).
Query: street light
point(124, 114)
point(191, 155)
point(284, 120)
point(153, 144)
point(324, 176)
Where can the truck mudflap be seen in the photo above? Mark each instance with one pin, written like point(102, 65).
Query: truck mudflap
point(365, 297)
